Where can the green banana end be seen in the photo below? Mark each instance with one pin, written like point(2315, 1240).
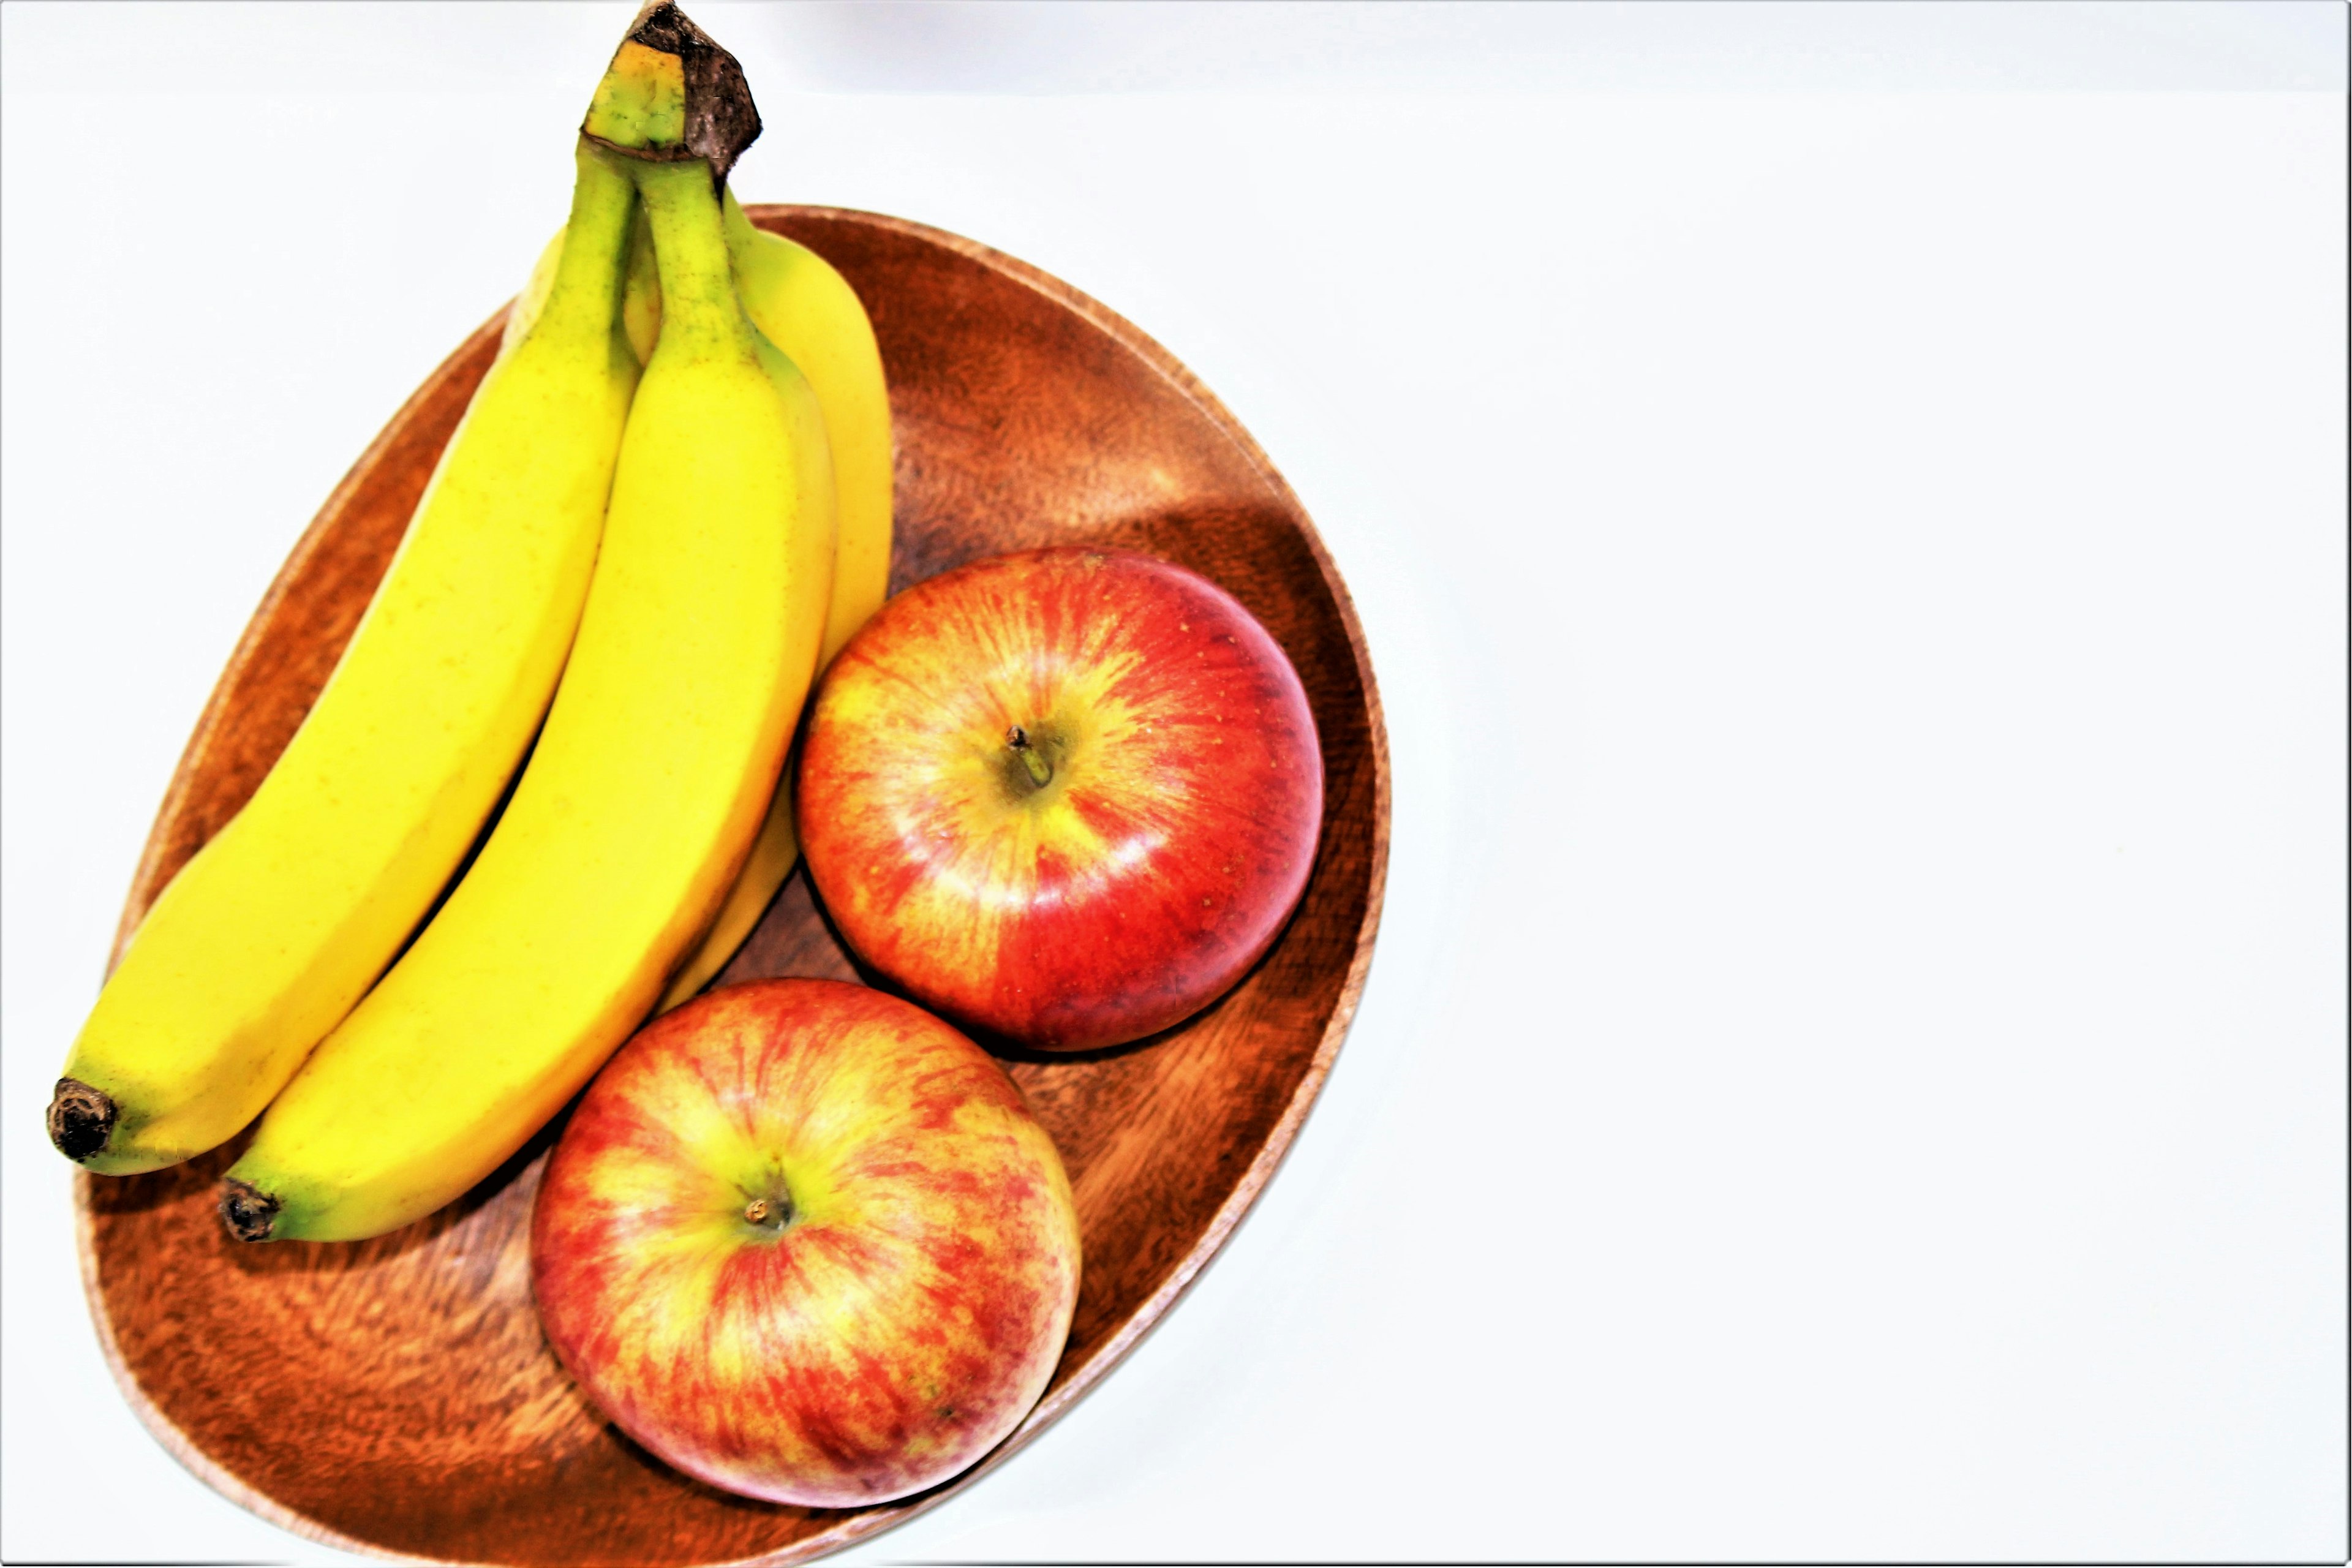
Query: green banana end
point(250, 1214)
point(262, 1201)
point(82, 1119)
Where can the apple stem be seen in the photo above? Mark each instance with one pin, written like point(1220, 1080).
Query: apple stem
point(1041, 772)
point(761, 1212)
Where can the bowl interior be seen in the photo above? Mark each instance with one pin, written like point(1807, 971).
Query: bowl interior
point(397, 1396)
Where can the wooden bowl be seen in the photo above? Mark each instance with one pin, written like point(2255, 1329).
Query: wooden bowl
point(396, 1396)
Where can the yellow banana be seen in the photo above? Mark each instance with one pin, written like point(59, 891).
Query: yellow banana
point(272, 933)
point(801, 304)
point(524, 312)
point(810, 311)
point(644, 791)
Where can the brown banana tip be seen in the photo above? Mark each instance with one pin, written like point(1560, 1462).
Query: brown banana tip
point(81, 1119)
point(720, 117)
point(250, 1213)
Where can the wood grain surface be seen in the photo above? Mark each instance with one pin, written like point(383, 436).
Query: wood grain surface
point(395, 1397)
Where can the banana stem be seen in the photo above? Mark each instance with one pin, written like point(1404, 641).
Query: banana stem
point(742, 234)
point(585, 298)
point(697, 284)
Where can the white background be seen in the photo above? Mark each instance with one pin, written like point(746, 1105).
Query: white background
point(1848, 506)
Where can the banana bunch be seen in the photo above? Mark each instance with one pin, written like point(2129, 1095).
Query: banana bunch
point(809, 312)
point(669, 499)
point(279, 925)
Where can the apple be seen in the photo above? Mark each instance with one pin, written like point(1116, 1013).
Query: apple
point(1069, 796)
point(806, 1242)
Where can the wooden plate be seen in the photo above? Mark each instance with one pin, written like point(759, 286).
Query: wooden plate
point(395, 1395)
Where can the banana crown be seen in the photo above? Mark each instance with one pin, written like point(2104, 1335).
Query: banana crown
point(641, 102)
point(672, 94)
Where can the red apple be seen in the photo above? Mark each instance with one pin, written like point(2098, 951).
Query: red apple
point(806, 1242)
point(1069, 796)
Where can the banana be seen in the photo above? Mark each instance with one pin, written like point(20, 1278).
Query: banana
point(524, 312)
point(643, 794)
point(810, 312)
point(271, 933)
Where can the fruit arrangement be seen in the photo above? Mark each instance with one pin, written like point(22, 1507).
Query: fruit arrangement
point(545, 795)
